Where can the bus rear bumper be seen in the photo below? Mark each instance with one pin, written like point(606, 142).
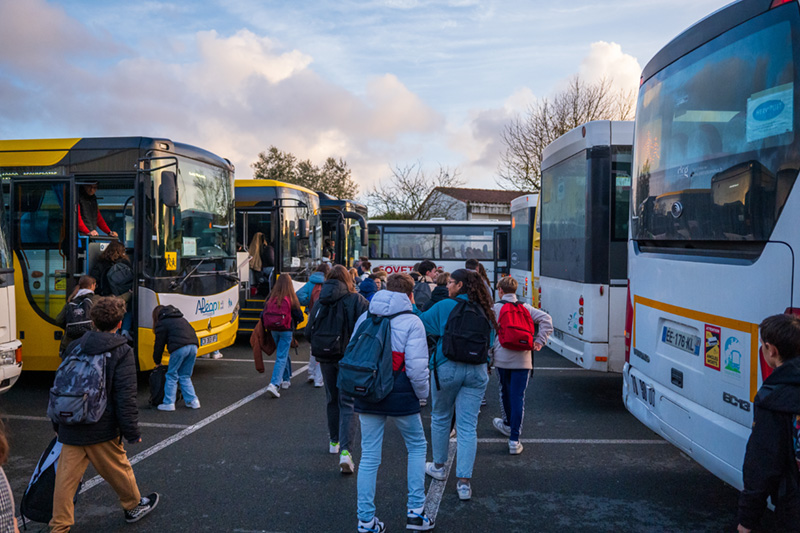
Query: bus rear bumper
point(684, 424)
point(589, 355)
point(9, 372)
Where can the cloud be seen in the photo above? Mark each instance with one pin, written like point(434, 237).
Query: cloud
point(609, 61)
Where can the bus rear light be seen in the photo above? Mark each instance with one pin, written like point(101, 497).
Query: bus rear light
point(601, 359)
point(580, 302)
point(628, 324)
point(580, 330)
point(776, 3)
point(18, 354)
point(601, 290)
point(580, 321)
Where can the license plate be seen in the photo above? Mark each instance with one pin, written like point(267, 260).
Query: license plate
point(208, 340)
point(680, 340)
point(558, 334)
point(647, 393)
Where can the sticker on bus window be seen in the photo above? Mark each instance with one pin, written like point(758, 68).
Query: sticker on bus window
point(172, 260)
point(189, 246)
point(713, 335)
point(770, 112)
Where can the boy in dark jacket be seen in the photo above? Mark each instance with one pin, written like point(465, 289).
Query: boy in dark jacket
point(101, 443)
point(179, 337)
point(772, 461)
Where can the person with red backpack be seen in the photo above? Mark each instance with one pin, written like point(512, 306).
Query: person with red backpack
point(522, 330)
point(281, 311)
point(308, 296)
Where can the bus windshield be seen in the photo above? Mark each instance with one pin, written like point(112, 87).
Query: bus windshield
point(718, 165)
point(521, 239)
point(5, 249)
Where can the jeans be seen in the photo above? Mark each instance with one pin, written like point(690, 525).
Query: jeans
point(181, 365)
point(314, 371)
point(372, 427)
point(341, 423)
point(513, 383)
point(283, 365)
point(463, 386)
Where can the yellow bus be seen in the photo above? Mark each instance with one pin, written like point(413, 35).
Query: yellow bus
point(171, 205)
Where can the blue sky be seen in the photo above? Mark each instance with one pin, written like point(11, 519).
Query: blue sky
point(380, 83)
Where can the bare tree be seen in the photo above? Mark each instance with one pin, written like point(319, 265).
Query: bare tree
point(525, 137)
point(403, 196)
point(334, 177)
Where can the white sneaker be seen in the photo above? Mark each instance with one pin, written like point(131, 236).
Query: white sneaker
point(166, 407)
point(194, 404)
point(514, 447)
point(464, 491)
point(333, 447)
point(453, 433)
point(318, 384)
point(346, 465)
point(286, 384)
point(435, 473)
point(423, 402)
point(373, 526)
point(417, 520)
point(216, 354)
point(501, 426)
point(273, 390)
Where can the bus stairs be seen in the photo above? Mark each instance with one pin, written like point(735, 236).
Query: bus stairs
point(250, 314)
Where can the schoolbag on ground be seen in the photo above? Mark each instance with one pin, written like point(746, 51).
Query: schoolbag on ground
point(365, 371)
point(328, 332)
point(516, 330)
point(37, 502)
point(77, 320)
point(120, 278)
point(422, 294)
point(277, 315)
point(466, 334)
point(79, 394)
point(157, 380)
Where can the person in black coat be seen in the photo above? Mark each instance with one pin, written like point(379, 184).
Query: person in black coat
point(175, 333)
point(440, 292)
point(772, 460)
point(338, 290)
point(100, 443)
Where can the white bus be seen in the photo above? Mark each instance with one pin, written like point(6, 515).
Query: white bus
point(10, 346)
point(397, 245)
point(586, 181)
point(524, 241)
point(713, 226)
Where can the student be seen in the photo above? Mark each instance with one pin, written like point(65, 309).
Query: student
point(101, 443)
point(514, 366)
point(89, 216)
point(382, 275)
point(262, 262)
point(410, 366)
point(337, 311)
point(369, 286)
point(175, 333)
point(8, 522)
point(459, 383)
point(114, 253)
point(476, 266)
point(83, 291)
point(308, 296)
point(282, 297)
point(424, 286)
point(355, 275)
point(440, 292)
point(772, 460)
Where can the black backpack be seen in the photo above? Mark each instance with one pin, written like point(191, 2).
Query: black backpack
point(120, 278)
point(77, 319)
point(328, 333)
point(467, 334)
point(422, 294)
point(37, 502)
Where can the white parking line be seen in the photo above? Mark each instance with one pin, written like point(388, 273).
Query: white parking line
point(181, 434)
point(580, 441)
point(436, 489)
point(45, 419)
point(225, 359)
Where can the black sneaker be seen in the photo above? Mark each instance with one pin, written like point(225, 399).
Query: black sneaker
point(146, 504)
point(418, 521)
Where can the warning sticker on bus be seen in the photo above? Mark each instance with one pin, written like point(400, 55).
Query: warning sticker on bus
point(712, 341)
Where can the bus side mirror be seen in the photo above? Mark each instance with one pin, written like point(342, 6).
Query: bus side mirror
point(168, 190)
point(364, 238)
point(302, 229)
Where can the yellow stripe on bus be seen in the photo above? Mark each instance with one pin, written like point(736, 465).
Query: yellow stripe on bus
point(34, 152)
point(707, 318)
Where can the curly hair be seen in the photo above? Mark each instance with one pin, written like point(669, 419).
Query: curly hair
point(113, 252)
point(476, 291)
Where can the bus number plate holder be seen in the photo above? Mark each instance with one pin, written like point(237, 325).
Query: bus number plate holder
point(558, 334)
point(647, 392)
point(208, 340)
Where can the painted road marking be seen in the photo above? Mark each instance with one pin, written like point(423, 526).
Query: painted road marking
point(436, 489)
point(580, 441)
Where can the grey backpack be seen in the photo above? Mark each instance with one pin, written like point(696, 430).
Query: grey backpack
point(79, 394)
point(78, 321)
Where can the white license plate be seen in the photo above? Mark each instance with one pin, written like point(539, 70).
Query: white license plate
point(558, 334)
point(208, 340)
point(680, 340)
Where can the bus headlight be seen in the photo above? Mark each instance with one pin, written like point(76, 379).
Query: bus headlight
point(8, 357)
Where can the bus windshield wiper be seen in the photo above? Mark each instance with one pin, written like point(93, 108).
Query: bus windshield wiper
point(176, 284)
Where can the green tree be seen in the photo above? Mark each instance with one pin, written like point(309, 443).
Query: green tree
point(333, 178)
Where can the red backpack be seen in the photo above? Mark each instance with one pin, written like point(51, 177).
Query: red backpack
point(277, 315)
point(314, 296)
point(516, 327)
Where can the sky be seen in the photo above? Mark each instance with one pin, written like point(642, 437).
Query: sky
point(382, 84)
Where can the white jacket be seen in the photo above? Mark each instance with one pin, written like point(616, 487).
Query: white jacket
point(408, 337)
point(513, 359)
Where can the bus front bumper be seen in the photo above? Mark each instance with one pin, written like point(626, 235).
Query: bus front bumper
point(10, 369)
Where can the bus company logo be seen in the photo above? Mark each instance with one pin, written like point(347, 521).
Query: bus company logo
point(208, 307)
point(396, 269)
point(768, 110)
point(733, 356)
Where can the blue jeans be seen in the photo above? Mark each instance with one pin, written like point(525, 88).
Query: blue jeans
point(463, 386)
point(181, 365)
point(339, 408)
point(410, 428)
point(513, 383)
point(283, 365)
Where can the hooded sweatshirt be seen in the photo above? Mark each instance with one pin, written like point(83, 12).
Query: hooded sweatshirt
point(334, 292)
point(172, 331)
point(409, 357)
point(368, 288)
point(304, 294)
point(121, 414)
point(514, 359)
point(439, 293)
point(771, 461)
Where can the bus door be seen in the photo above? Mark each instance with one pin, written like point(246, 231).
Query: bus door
point(502, 240)
point(45, 240)
point(292, 237)
point(333, 231)
point(248, 223)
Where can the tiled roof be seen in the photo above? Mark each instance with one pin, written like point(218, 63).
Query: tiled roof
point(483, 196)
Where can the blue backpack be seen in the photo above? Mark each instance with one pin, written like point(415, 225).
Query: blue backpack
point(365, 371)
point(79, 394)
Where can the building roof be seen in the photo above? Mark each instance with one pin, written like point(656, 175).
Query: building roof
point(481, 196)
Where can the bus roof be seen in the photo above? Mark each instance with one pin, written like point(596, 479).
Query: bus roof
point(328, 201)
point(271, 183)
point(49, 152)
point(440, 222)
point(595, 133)
point(527, 200)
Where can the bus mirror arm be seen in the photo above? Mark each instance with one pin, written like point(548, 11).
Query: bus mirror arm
point(361, 222)
point(168, 190)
